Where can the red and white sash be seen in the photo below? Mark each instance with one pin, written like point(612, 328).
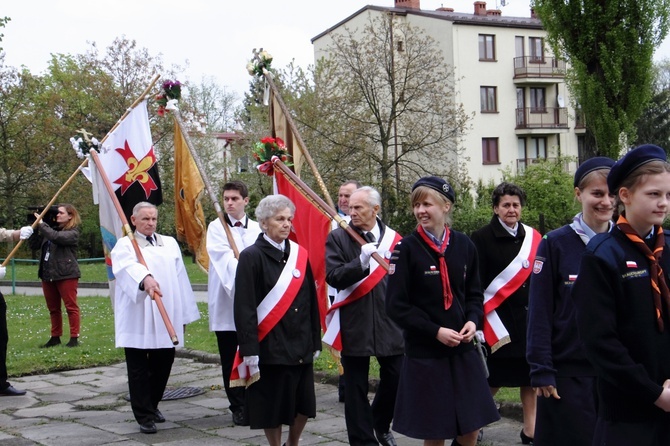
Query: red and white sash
point(272, 308)
point(505, 284)
point(359, 289)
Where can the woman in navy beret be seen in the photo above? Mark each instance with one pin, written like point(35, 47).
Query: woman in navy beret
point(435, 296)
point(623, 305)
point(560, 373)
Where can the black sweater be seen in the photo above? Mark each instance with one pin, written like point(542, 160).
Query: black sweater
point(414, 297)
point(617, 325)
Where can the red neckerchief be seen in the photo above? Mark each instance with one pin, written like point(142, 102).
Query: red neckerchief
point(444, 274)
point(658, 285)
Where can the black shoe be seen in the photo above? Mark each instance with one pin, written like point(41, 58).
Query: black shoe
point(385, 438)
point(12, 391)
point(54, 340)
point(158, 416)
point(148, 428)
point(525, 439)
point(239, 418)
point(73, 342)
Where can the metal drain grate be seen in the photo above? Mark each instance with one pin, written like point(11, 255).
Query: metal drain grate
point(177, 393)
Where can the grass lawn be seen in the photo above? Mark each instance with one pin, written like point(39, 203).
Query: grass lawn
point(25, 270)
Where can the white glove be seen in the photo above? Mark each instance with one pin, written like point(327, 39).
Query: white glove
point(316, 354)
point(25, 232)
point(366, 253)
point(480, 336)
point(3, 272)
point(251, 361)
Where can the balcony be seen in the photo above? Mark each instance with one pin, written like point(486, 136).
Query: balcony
point(544, 118)
point(522, 163)
point(580, 122)
point(532, 69)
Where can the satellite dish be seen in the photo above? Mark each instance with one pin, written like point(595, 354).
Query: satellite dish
point(561, 102)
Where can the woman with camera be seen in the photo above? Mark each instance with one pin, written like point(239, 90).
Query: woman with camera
point(59, 272)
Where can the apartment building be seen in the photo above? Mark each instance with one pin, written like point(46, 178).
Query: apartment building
point(505, 74)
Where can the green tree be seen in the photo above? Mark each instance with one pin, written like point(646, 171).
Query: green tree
point(609, 46)
point(653, 127)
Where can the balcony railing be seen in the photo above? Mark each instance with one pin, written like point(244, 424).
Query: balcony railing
point(533, 66)
point(545, 118)
point(580, 121)
point(522, 163)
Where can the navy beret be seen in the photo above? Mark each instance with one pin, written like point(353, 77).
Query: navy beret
point(590, 165)
point(637, 157)
point(437, 184)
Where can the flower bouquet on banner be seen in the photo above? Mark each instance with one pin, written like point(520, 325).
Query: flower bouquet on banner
point(265, 149)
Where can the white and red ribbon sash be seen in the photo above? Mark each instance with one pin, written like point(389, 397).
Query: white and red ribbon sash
point(359, 289)
point(272, 308)
point(504, 285)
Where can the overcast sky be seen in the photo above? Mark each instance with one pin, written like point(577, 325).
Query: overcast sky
point(215, 37)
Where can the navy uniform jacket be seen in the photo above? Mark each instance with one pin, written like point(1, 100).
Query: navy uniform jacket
point(553, 347)
point(617, 325)
point(415, 301)
point(497, 248)
point(365, 327)
point(297, 335)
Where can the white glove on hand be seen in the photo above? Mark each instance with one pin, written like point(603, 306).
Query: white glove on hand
point(25, 232)
point(3, 272)
point(316, 354)
point(366, 252)
point(480, 336)
point(251, 361)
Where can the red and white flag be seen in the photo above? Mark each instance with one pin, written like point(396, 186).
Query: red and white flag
point(310, 230)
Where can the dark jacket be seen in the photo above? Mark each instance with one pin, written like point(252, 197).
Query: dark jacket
point(366, 329)
point(297, 335)
point(61, 246)
point(496, 249)
point(553, 347)
point(617, 325)
point(415, 301)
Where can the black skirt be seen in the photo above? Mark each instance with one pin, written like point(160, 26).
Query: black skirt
point(508, 372)
point(442, 398)
point(281, 393)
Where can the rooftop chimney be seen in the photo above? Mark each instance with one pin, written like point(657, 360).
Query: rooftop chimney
point(480, 8)
point(533, 14)
point(495, 12)
point(409, 4)
point(443, 9)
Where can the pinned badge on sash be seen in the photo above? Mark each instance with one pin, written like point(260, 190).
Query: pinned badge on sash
point(525, 263)
point(296, 273)
point(387, 254)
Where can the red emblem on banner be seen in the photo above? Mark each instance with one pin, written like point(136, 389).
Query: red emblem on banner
point(137, 170)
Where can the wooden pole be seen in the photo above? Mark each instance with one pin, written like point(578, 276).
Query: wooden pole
point(294, 130)
point(325, 208)
point(205, 179)
point(138, 252)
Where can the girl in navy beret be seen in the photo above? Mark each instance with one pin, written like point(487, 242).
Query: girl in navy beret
point(435, 296)
point(623, 305)
point(560, 373)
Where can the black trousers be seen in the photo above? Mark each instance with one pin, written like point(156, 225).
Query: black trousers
point(227, 341)
point(361, 417)
point(148, 374)
point(4, 338)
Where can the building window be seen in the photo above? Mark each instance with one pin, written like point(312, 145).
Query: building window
point(490, 151)
point(488, 99)
point(537, 101)
point(487, 47)
point(536, 45)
